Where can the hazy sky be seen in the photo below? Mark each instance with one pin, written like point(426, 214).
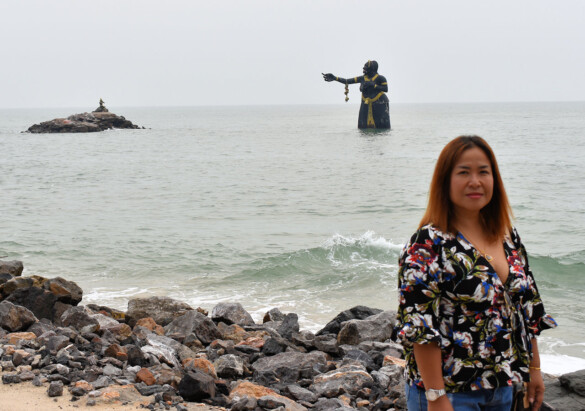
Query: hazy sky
point(69, 53)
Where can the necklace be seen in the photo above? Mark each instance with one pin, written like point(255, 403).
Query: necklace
point(488, 257)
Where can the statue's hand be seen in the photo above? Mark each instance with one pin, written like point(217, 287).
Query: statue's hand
point(328, 77)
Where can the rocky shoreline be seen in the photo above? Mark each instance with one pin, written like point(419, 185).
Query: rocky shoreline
point(163, 354)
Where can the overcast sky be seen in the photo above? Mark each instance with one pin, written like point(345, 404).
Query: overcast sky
point(69, 53)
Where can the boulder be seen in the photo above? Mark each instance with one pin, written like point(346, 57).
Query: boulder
point(15, 317)
point(565, 392)
point(289, 326)
point(193, 322)
point(39, 301)
point(196, 386)
point(359, 312)
point(67, 292)
point(231, 313)
point(162, 310)
point(374, 328)
point(288, 367)
point(229, 366)
point(13, 268)
point(347, 379)
point(247, 390)
point(80, 319)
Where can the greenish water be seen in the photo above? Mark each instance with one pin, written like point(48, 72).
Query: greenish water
point(288, 207)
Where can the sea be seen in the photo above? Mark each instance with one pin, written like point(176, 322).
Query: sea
point(288, 207)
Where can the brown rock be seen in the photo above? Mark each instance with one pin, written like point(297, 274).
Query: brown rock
point(256, 342)
point(388, 360)
point(151, 325)
point(11, 267)
point(145, 376)
point(14, 338)
point(200, 364)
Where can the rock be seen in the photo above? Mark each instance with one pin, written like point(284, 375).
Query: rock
point(231, 313)
point(359, 312)
point(39, 301)
point(55, 389)
point(574, 382)
point(289, 326)
point(229, 366)
point(374, 328)
point(193, 322)
point(83, 123)
point(326, 343)
point(151, 325)
point(80, 319)
point(287, 367)
point(361, 357)
point(347, 379)
point(245, 390)
point(196, 386)
point(201, 364)
point(15, 317)
point(67, 292)
point(145, 376)
point(10, 378)
point(14, 284)
point(56, 343)
point(273, 315)
point(14, 268)
point(300, 394)
point(162, 309)
point(559, 395)
point(15, 338)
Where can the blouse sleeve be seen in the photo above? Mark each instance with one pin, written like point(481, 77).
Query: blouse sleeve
point(535, 317)
point(419, 279)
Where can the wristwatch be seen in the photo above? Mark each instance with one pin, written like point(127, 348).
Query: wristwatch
point(434, 395)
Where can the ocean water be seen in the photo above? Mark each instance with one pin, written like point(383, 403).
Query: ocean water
point(288, 206)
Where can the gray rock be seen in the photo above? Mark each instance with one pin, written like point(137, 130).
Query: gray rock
point(36, 299)
point(287, 367)
point(304, 338)
point(55, 389)
point(300, 394)
point(326, 343)
point(80, 319)
point(101, 382)
point(193, 322)
point(196, 386)
point(67, 292)
point(56, 343)
point(289, 326)
point(345, 380)
point(14, 317)
point(359, 312)
point(361, 357)
point(374, 328)
point(273, 315)
point(229, 366)
point(231, 313)
point(560, 398)
point(574, 382)
point(11, 379)
point(162, 310)
point(111, 371)
point(13, 268)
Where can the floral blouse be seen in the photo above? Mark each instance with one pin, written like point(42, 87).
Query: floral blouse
point(450, 294)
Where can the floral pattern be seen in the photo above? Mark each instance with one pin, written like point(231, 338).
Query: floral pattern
point(450, 294)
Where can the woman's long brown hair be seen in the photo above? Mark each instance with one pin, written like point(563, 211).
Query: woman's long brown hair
point(496, 216)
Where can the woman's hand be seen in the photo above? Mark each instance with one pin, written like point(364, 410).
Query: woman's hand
point(535, 389)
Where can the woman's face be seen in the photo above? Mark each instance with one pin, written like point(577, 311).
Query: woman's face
point(472, 182)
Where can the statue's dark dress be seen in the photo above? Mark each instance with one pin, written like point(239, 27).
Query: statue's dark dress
point(375, 108)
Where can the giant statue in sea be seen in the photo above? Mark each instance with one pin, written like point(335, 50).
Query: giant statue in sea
point(375, 109)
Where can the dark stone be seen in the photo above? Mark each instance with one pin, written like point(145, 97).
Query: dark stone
point(193, 322)
point(362, 357)
point(67, 292)
point(300, 394)
point(162, 310)
point(39, 301)
point(231, 313)
point(289, 326)
point(229, 366)
point(15, 317)
point(11, 379)
point(574, 382)
point(135, 355)
point(269, 403)
point(196, 386)
point(272, 347)
point(359, 312)
point(79, 319)
point(326, 343)
point(286, 367)
point(55, 389)
point(57, 342)
point(13, 268)
point(147, 390)
point(374, 328)
point(273, 315)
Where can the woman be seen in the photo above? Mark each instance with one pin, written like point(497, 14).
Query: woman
point(469, 310)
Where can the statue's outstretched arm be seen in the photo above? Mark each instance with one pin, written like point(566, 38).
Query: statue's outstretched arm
point(331, 77)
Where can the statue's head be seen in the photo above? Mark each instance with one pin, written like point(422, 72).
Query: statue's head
point(370, 68)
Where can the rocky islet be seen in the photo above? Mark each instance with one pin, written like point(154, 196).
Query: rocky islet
point(163, 354)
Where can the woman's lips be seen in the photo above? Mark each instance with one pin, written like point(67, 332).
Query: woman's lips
point(474, 195)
